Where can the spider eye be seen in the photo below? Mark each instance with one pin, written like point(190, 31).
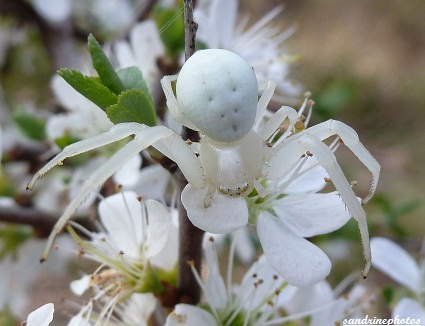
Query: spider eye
point(218, 91)
point(238, 191)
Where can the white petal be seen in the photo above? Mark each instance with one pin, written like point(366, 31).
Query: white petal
point(42, 316)
point(67, 95)
point(255, 293)
point(59, 125)
point(409, 308)
point(297, 260)
point(139, 308)
point(391, 259)
point(124, 54)
point(152, 182)
point(296, 300)
point(244, 246)
point(159, 220)
point(80, 286)
point(79, 320)
point(225, 12)
point(55, 11)
point(51, 192)
point(89, 119)
point(187, 315)
point(147, 47)
point(167, 258)
point(215, 289)
point(355, 302)
point(311, 178)
point(223, 216)
point(312, 214)
point(16, 280)
point(121, 11)
point(127, 176)
point(121, 215)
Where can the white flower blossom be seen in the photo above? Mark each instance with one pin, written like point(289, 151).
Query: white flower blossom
point(260, 44)
point(324, 305)
point(139, 239)
point(263, 298)
point(142, 51)
point(290, 212)
point(249, 303)
point(285, 211)
point(398, 264)
point(135, 311)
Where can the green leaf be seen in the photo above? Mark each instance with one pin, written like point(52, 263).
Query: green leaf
point(31, 126)
point(132, 77)
point(170, 23)
point(388, 293)
point(7, 187)
point(133, 106)
point(66, 140)
point(89, 87)
point(7, 318)
point(12, 237)
point(334, 97)
point(104, 67)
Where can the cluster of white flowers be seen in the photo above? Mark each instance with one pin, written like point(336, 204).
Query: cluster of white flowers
point(252, 167)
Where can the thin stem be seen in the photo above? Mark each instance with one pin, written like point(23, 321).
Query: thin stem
point(190, 28)
point(190, 237)
point(41, 222)
point(190, 250)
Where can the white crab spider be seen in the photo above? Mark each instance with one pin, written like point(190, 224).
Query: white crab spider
point(214, 95)
point(217, 94)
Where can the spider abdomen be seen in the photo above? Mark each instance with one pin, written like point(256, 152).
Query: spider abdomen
point(218, 91)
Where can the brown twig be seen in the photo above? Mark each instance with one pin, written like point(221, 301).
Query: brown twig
point(190, 250)
point(190, 237)
point(190, 27)
point(41, 222)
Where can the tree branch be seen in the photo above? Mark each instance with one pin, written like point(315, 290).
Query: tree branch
point(190, 28)
point(41, 222)
point(190, 237)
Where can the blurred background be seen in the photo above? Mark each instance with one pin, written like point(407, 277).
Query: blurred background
point(363, 61)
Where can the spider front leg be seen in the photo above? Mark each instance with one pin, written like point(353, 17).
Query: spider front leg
point(286, 155)
point(145, 136)
point(172, 102)
point(267, 89)
point(272, 126)
point(114, 134)
point(351, 140)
